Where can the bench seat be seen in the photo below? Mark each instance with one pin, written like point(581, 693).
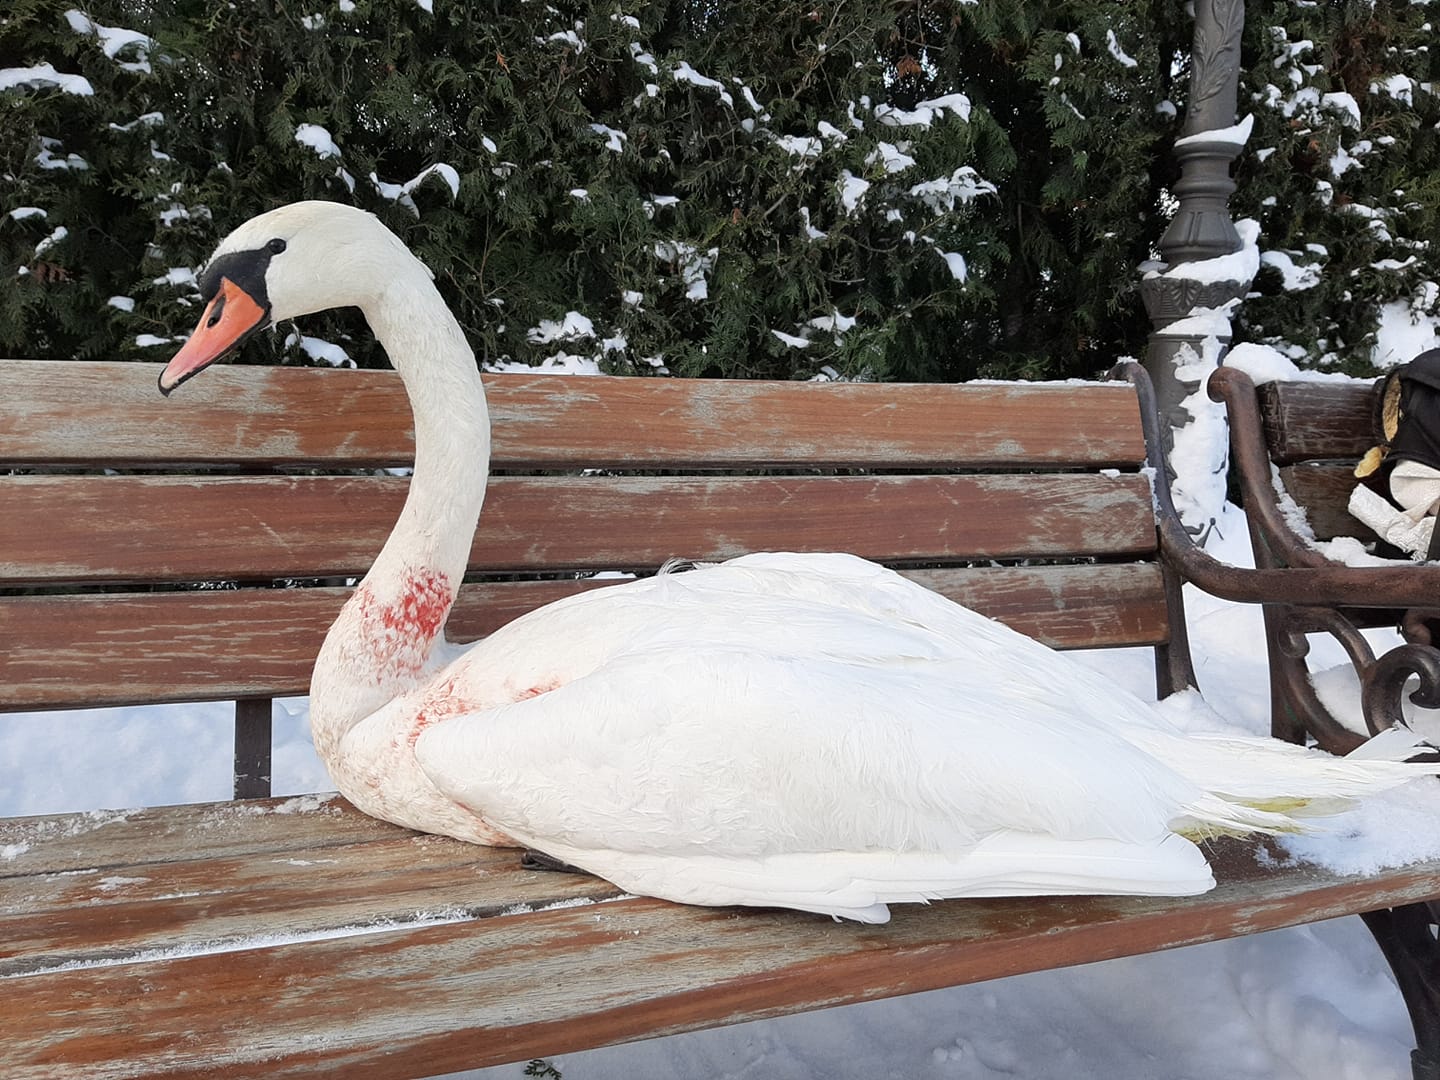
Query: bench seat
point(211, 940)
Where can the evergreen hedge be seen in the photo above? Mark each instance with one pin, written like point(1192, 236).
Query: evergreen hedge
point(899, 188)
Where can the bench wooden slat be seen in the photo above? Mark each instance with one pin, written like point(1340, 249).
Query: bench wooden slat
point(89, 918)
point(187, 529)
point(152, 835)
point(1323, 491)
point(112, 413)
point(1309, 421)
point(108, 649)
point(516, 984)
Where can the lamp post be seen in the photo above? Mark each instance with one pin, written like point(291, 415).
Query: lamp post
point(1201, 228)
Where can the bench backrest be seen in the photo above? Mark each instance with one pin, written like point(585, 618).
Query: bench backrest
point(1315, 433)
point(144, 542)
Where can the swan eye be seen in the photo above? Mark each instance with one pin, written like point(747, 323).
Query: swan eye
point(276, 246)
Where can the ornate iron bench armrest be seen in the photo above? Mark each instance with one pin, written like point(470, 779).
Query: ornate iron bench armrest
point(1303, 591)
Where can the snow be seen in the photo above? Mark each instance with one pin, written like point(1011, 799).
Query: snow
point(1397, 86)
point(318, 139)
point(1236, 134)
point(569, 37)
point(1201, 446)
point(319, 349)
point(43, 76)
point(1344, 104)
point(925, 112)
point(1117, 52)
point(852, 190)
point(401, 192)
point(47, 159)
point(644, 59)
point(614, 140)
point(1403, 333)
point(801, 146)
point(1264, 364)
point(56, 235)
point(685, 73)
point(891, 157)
point(114, 40)
point(955, 263)
point(811, 233)
point(562, 363)
point(1239, 265)
point(1294, 277)
point(941, 194)
point(176, 276)
point(571, 328)
point(693, 264)
point(835, 323)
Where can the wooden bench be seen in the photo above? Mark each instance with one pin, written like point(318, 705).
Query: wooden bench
point(284, 937)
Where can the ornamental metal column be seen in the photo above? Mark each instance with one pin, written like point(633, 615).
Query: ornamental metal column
point(1201, 228)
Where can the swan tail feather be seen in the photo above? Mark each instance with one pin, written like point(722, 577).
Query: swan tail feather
point(1264, 785)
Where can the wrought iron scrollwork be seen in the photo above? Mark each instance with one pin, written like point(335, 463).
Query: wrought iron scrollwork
point(1383, 683)
point(1288, 634)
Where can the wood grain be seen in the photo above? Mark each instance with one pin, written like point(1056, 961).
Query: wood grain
point(216, 645)
point(1309, 421)
point(1323, 491)
point(161, 528)
point(499, 984)
point(66, 412)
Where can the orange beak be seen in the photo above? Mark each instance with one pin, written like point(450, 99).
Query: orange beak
point(229, 319)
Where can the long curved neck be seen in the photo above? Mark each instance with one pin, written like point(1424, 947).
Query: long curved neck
point(381, 643)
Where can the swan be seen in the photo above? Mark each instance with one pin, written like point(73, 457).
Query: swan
point(807, 731)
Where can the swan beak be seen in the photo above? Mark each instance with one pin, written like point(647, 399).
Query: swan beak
point(227, 322)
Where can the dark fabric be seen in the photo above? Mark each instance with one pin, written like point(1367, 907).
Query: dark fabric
point(1417, 437)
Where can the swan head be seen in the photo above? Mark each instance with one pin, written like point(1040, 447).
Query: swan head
point(291, 261)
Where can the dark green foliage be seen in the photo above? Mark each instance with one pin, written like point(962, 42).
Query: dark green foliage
point(1007, 248)
point(1353, 200)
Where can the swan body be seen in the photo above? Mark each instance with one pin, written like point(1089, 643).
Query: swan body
point(794, 730)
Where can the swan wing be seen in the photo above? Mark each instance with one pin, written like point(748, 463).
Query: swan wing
point(735, 775)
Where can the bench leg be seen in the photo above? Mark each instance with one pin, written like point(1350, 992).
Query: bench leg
point(1407, 938)
point(252, 748)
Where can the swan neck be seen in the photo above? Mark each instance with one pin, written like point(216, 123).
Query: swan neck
point(383, 643)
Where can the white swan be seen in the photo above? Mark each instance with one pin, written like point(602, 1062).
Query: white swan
point(805, 731)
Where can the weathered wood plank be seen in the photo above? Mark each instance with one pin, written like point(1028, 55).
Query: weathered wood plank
point(208, 903)
point(62, 412)
point(118, 649)
point(149, 836)
point(512, 986)
point(1309, 421)
point(1323, 492)
point(186, 529)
